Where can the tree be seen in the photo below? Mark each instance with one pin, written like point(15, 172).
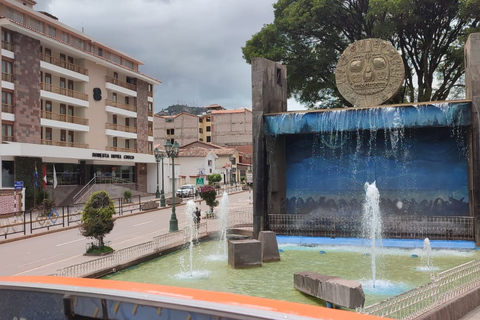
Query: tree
point(308, 36)
point(214, 178)
point(97, 217)
point(209, 194)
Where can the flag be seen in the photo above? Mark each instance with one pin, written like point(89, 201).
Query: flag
point(44, 176)
point(54, 177)
point(35, 176)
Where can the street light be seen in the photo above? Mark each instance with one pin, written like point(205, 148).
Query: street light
point(159, 155)
point(172, 153)
point(232, 158)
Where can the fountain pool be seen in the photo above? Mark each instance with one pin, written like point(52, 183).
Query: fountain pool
point(275, 279)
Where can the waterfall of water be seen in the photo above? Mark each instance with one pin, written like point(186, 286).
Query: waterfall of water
point(372, 222)
point(223, 213)
point(191, 223)
point(427, 250)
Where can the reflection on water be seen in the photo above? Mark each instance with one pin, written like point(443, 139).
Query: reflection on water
point(397, 271)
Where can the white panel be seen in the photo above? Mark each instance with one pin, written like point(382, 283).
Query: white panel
point(8, 85)
point(122, 134)
point(8, 116)
point(8, 54)
point(114, 87)
point(150, 99)
point(62, 71)
point(63, 99)
point(123, 112)
point(150, 138)
point(64, 125)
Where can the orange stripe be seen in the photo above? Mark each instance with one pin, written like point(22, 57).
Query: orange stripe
point(199, 295)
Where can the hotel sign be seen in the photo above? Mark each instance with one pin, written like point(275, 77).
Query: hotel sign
point(112, 156)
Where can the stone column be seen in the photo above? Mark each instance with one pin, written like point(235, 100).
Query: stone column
point(269, 95)
point(472, 91)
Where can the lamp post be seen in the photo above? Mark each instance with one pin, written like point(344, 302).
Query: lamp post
point(232, 158)
point(159, 155)
point(172, 153)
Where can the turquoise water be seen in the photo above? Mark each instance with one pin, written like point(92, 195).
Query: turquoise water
point(397, 270)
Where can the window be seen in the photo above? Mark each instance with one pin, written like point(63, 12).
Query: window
point(71, 136)
point(209, 128)
point(127, 144)
point(114, 96)
point(100, 52)
point(35, 24)
point(200, 120)
point(150, 106)
point(149, 87)
point(127, 100)
point(200, 130)
point(63, 83)
point(7, 101)
point(63, 57)
point(7, 131)
point(114, 119)
point(115, 141)
point(63, 112)
point(150, 146)
point(48, 133)
point(70, 86)
point(48, 78)
point(209, 139)
point(51, 31)
point(209, 163)
point(7, 70)
point(48, 106)
point(115, 75)
point(63, 135)
point(71, 110)
point(207, 119)
point(48, 55)
point(127, 122)
point(170, 132)
point(7, 40)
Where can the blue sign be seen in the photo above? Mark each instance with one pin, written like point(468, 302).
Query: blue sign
point(18, 185)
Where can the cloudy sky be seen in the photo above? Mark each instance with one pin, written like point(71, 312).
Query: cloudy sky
point(192, 46)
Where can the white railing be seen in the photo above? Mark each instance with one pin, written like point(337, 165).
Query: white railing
point(122, 256)
point(446, 286)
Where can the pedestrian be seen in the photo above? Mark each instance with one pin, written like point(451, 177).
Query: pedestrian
point(198, 214)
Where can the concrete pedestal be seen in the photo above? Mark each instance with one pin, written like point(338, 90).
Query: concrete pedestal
point(269, 246)
point(244, 253)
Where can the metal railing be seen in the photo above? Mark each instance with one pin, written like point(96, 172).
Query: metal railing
point(64, 91)
point(119, 149)
point(87, 187)
point(7, 77)
point(120, 105)
point(411, 227)
point(7, 45)
point(63, 144)
point(64, 64)
point(119, 127)
point(64, 118)
point(8, 108)
point(123, 256)
point(446, 286)
point(121, 83)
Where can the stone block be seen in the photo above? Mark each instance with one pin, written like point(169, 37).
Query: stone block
point(269, 246)
point(149, 205)
point(244, 253)
point(341, 292)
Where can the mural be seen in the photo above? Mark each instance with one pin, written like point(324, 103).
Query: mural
point(418, 171)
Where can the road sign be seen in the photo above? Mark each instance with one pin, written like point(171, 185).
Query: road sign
point(249, 177)
point(200, 182)
point(18, 185)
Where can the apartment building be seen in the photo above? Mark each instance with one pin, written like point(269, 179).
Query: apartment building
point(230, 127)
point(182, 128)
point(71, 102)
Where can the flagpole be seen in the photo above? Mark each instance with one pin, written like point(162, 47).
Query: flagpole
point(54, 182)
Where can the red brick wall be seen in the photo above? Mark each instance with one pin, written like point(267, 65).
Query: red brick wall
point(26, 71)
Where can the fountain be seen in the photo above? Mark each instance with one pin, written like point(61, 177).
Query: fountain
point(372, 223)
point(427, 249)
point(223, 215)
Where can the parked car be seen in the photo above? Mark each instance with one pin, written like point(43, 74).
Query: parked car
point(187, 190)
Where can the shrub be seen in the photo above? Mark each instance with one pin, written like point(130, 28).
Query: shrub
point(97, 217)
point(214, 178)
point(209, 194)
point(127, 195)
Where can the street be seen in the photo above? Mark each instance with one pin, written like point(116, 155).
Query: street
point(44, 254)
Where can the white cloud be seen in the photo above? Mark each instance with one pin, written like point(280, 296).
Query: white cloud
point(192, 46)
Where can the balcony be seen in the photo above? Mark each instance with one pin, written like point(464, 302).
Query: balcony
point(64, 64)
point(150, 113)
point(64, 118)
point(7, 138)
point(119, 127)
point(118, 149)
point(64, 91)
point(64, 144)
point(8, 108)
point(122, 84)
point(120, 105)
point(150, 132)
point(7, 77)
point(7, 45)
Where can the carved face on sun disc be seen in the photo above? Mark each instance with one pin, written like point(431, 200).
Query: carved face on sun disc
point(369, 72)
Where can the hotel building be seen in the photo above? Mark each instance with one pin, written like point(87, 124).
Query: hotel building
point(71, 101)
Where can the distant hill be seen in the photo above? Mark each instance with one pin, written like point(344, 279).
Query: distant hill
point(179, 108)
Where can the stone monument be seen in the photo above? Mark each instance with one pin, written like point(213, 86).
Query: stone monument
point(369, 72)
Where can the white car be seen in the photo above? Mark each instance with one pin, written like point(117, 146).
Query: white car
point(187, 190)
